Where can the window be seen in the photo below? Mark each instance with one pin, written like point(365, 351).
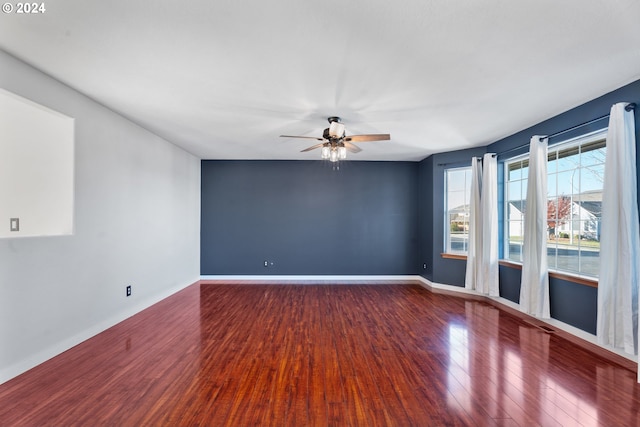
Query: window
point(574, 204)
point(457, 197)
point(516, 186)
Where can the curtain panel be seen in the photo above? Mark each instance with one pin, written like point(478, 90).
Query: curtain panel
point(474, 250)
point(617, 323)
point(489, 204)
point(534, 288)
point(482, 255)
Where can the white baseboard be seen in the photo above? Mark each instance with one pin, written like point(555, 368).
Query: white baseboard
point(307, 278)
point(48, 353)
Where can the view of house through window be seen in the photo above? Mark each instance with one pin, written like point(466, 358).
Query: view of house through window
point(457, 193)
point(574, 204)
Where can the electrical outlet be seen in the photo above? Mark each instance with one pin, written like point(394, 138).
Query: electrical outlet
point(424, 266)
point(14, 224)
point(266, 263)
point(128, 290)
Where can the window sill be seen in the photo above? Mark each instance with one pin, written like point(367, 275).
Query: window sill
point(556, 275)
point(454, 256)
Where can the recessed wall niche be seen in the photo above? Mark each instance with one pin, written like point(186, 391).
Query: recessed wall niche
point(36, 169)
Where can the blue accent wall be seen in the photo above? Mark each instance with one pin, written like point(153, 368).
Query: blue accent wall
point(309, 219)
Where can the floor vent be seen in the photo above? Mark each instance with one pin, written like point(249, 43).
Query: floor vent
point(546, 328)
point(543, 327)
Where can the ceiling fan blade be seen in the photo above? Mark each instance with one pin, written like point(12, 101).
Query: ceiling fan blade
point(352, 147)
point(304, 137)
point(313, 147)
point(367, 138)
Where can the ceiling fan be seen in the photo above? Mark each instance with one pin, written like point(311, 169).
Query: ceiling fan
point(335, 143)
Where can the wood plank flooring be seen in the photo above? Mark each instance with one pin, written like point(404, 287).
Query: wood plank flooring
point(322, 355)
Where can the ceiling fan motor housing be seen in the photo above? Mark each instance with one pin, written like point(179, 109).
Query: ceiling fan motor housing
point(334, 131)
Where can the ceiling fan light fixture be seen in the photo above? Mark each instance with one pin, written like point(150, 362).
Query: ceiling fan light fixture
point(325, 152)
point(333, 157)
point(336, 130)
point(335, 143)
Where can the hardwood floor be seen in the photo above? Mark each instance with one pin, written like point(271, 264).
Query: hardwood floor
point(322, 355)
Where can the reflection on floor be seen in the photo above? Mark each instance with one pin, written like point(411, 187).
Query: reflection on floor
point(298, 355)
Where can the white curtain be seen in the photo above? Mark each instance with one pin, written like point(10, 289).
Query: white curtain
point(482, 254)
point(534, 288)
point(620, 238)
point(489, 202)
point(474, 251)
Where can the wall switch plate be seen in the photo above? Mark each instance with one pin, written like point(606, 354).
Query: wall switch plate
point(129, 290)
point(14, 224)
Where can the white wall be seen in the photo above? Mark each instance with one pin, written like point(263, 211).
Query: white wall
point(137, 221)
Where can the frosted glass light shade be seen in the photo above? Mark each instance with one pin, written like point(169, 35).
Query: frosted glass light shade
point(336, 130)
point(334, 156)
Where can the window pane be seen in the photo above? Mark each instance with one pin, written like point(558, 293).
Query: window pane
point(568, 260)
point(593, 153)
point(514, 171)
point(456, 180)
point(568, 182)
point(456, 200)
point(552, 185)
point(560, 210)
point(551, 230)
point(551, 208)
point(552, 163)
point(458, 186)
point(591, 178)
point(590, 262)
point(515, 210)
point(515, 227)
point(568, 159)
point(515, 191)
point(515, 240)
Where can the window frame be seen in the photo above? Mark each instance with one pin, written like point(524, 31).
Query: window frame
point(556, 149)
point(447, 222)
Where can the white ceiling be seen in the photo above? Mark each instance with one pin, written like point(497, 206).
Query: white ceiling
point(224, 78)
